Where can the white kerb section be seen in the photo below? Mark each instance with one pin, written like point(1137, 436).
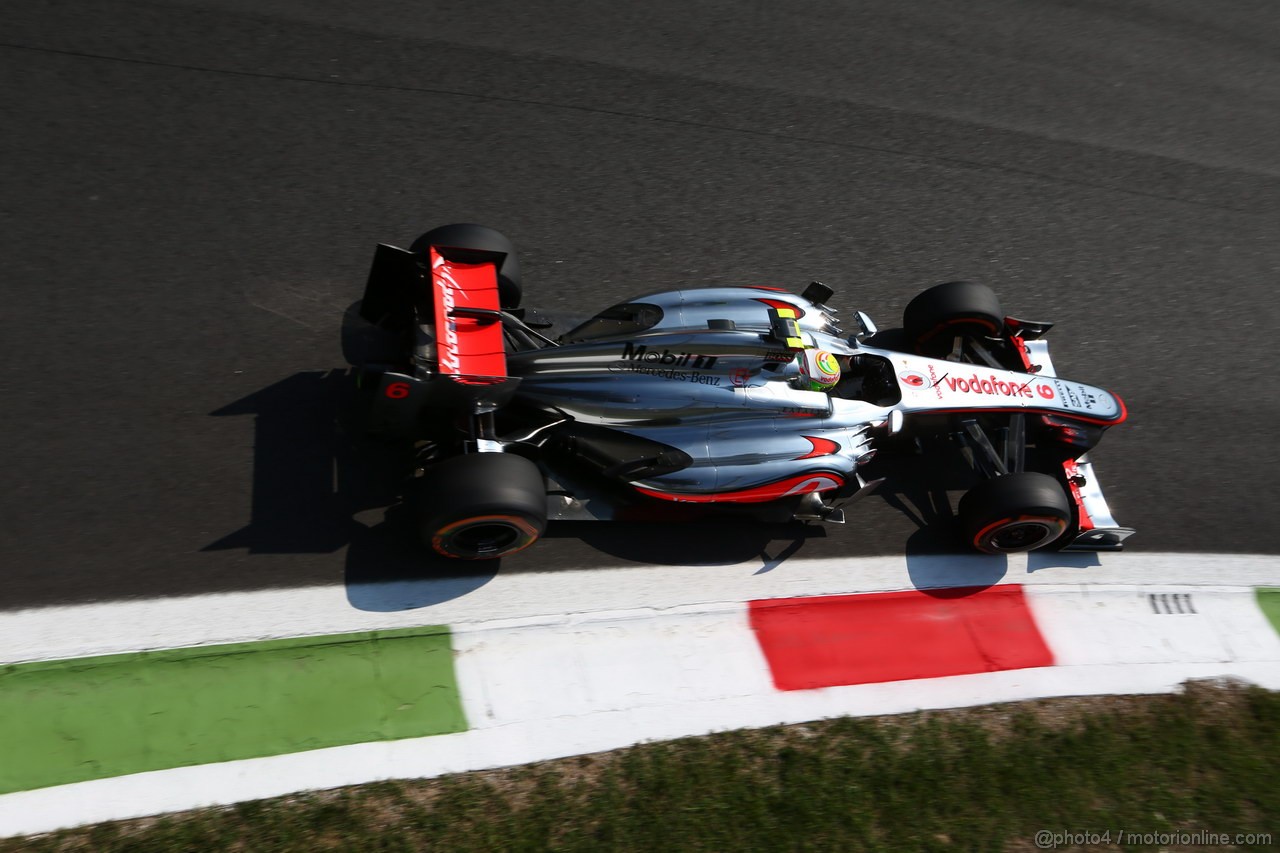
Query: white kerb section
point(1131, 639)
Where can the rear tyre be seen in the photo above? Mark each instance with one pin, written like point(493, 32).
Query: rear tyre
point(1014, 513)
point(480, 506)
point(464, 238)
point(936, 316)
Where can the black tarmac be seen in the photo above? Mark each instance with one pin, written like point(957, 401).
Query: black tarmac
point(192, 192)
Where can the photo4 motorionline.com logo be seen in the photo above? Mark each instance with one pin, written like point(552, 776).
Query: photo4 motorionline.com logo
point(1047, 839)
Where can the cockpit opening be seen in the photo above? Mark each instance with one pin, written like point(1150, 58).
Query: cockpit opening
point(869, 378)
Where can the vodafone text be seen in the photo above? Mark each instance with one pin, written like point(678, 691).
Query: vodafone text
point(995, 386)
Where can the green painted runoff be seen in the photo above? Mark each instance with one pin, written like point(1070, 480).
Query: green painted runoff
point(90, 718)
point(1269, 601)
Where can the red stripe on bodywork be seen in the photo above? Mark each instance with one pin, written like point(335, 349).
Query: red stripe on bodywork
point(821, 447)
point(780, 304)
point(799, 485)
point(1124, 410)
point(467, 346)
point(829, 641)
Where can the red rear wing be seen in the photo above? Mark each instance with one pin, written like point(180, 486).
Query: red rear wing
point(468, 318)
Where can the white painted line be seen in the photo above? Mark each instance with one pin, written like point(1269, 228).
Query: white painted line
point(70, 631)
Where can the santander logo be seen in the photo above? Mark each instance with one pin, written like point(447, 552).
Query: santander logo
point(995, 386)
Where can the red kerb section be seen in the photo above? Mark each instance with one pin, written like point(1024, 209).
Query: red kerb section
point(829, 641)
point(467, 345)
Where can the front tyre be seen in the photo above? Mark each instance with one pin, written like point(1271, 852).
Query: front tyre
point(480, 506)
point(1014, 513)
point(955, 308)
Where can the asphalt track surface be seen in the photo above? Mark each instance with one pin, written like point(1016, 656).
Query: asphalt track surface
point(192, 191)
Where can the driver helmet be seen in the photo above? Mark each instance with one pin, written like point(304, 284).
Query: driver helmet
point(819, 370)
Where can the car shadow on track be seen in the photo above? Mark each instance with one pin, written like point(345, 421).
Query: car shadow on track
point(317, 490)
point(319, 486)
point(923, 487)
point(712, 542)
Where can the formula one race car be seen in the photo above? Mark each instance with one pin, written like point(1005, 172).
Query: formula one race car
point(740, 400)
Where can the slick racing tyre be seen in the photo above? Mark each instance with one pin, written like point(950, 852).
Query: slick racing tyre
point(1014, 513)
point(480, 506)
point(464, 238)
point(934, 318)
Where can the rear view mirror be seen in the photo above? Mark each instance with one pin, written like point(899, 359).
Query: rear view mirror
point(866, 327)
point(895, 421)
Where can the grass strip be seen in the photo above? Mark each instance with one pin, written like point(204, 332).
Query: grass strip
point(89, 718)
point(1269, 602)
point(971, 780)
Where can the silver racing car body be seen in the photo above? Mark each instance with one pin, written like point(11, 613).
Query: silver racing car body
point(750, 400)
